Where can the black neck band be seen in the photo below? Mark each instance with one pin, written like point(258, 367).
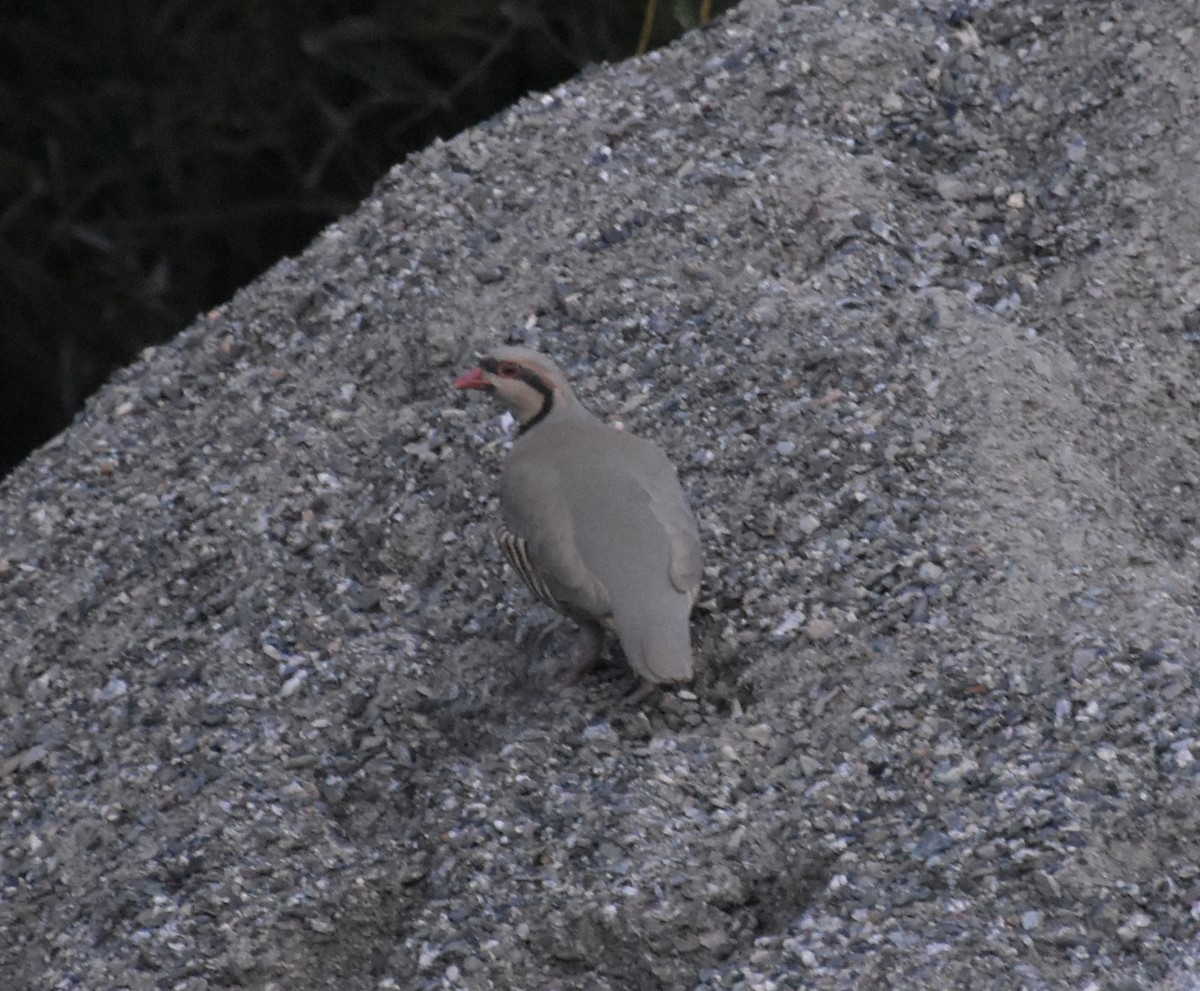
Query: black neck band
point(547, 393)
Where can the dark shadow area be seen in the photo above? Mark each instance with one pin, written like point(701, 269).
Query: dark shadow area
point(155, 157)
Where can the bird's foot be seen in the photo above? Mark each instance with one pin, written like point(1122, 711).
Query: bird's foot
point(640, 693)
point(535, 629)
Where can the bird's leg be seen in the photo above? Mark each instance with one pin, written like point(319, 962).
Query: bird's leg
point(587, 650)
point(535, 629)
point(639, 694)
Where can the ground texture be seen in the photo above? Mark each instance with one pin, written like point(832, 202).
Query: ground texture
point(911, 294)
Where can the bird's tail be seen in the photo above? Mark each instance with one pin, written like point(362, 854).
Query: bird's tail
point(656, 638)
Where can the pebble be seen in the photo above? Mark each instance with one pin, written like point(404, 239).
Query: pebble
point(820, 629)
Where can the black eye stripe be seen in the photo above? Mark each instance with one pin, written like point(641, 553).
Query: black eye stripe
point(533, 379)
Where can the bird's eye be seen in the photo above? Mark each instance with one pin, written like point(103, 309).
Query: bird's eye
point(508, 369)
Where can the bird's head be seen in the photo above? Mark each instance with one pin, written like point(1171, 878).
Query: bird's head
point(527, 382)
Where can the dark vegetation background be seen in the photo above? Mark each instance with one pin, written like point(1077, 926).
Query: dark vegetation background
point(155, 156)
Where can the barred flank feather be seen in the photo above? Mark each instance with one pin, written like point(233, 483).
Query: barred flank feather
point(514, 550)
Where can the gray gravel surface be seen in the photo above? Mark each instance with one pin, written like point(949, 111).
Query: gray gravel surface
point(911, 294)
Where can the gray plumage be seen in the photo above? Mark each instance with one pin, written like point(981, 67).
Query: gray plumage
point(598, 526)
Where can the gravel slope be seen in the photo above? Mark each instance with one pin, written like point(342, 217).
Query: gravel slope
point(912, 297)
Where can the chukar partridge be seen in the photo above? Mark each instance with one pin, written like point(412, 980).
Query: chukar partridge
point(597, 524)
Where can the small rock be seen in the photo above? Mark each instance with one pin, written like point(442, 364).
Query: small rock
point(1133, 927)
point(292, 685)
point(600, 731)
point(115, 688)
point(791, 622)
point(950, 188)
point(819, 629)
point(489, 276)
point(930, 572)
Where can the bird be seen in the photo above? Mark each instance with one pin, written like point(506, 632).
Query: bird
point(596, 523)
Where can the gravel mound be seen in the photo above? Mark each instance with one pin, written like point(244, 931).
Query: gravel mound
point(911, 294)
